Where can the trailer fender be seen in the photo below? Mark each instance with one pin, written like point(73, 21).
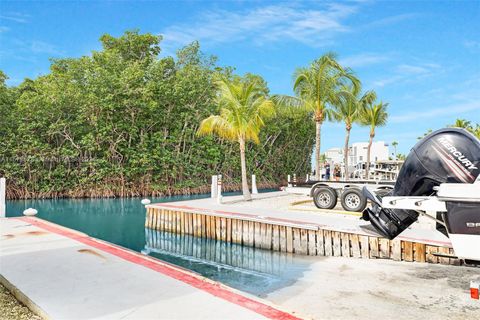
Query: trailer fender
point(317, 185)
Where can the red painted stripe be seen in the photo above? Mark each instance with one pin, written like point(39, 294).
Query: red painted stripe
point(448, 244)
point(214, 288)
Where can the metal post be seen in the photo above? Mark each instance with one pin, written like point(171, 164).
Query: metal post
point(214, 187)
point(219, 189)
point(307, 178)
point(289, 181)
point(294, 179)
point(254, 184)
point(3, 191)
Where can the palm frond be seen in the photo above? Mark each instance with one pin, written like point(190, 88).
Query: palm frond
point(374, 115)
point(244, 108)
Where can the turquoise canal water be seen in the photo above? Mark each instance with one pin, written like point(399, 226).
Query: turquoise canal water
point(122, 221)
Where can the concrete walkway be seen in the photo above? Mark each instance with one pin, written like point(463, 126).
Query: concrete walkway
point(276, 207)
point(68, 275)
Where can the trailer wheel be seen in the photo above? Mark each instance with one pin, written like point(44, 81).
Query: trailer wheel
point(353, 200)
point(325, 198)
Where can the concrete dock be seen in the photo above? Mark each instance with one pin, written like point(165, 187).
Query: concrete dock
point(274, 221)
point(64, 274)
point(275, 207)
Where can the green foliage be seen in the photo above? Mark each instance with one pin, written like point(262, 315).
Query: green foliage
point(316, 86)
point(465, 124)
point(244, 108)
point(123, 122)
point(425, 134)
point(374, 115)
point(349, 107)
point(460, 123)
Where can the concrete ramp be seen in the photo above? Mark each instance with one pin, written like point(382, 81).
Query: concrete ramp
point(65, 274)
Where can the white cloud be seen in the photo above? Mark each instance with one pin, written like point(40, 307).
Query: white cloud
point(454, 110)
point(29, 50)
point(4, 29)
point(391, 20)
point(314, 27)
point(15, 17)
point(472, 44)
point(386, 81)
point(408, 69)
point(44, 47)
point(409, 72)
point(363, 60)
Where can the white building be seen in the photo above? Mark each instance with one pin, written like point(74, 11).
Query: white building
point(334, 155)
point(358, 152)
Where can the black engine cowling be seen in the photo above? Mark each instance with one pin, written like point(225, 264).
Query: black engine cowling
point(449, 155)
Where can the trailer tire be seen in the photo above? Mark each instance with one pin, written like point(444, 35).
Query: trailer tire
point(353, 200)
point(325, 198)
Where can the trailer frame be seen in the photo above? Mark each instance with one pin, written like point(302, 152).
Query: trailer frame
point(325, 193)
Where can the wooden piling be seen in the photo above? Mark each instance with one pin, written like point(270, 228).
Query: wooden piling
point(320, 245)
point(407, 251)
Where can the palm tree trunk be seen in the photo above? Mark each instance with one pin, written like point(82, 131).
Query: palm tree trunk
point(368, 156)
point(345, 159)
point(246, 193)
point(317, 149)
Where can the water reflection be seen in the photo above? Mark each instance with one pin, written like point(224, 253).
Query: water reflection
point(249, 269)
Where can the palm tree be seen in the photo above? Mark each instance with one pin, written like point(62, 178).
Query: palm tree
point(462, 123)
point(425, 134)
point(395, 144)
point(243, 108)
point(374, 115)
point(476, 131)
point(349, 109)
point(467, 125)
point(315, 90)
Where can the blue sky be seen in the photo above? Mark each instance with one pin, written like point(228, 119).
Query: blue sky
point(421, 57)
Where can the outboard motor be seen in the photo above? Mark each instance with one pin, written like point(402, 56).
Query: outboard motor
point(449, 155)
